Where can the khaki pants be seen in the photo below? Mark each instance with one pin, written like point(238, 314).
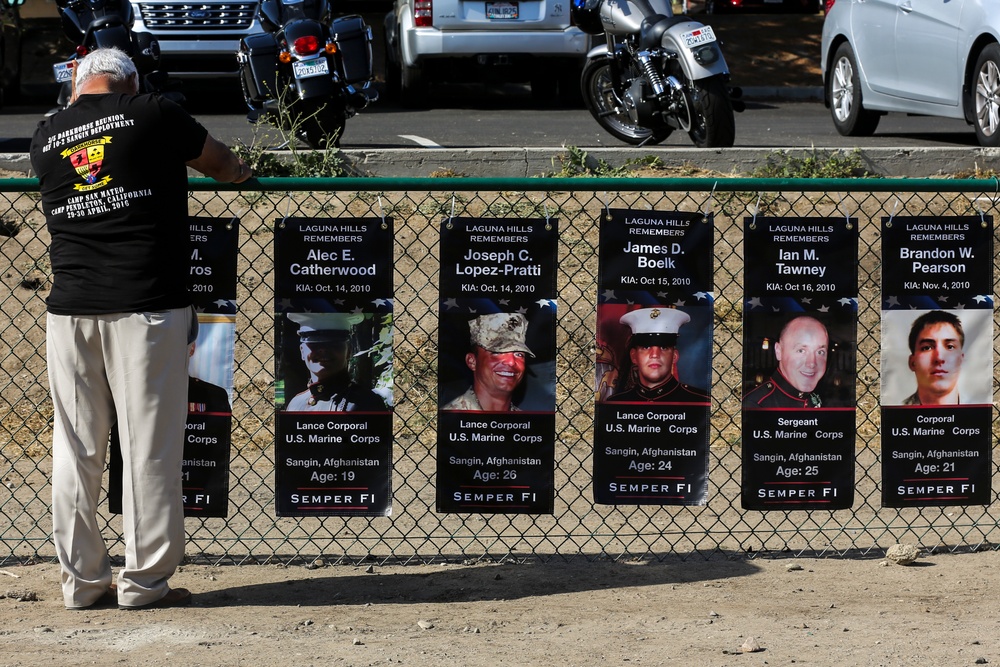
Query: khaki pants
point(130, 368)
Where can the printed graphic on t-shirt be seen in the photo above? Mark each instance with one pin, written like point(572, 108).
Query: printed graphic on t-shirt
point(87, 159)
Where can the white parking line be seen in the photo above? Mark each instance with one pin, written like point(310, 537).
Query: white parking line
point(420, 141)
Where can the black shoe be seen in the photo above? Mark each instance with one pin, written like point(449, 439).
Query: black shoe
point(175, 597)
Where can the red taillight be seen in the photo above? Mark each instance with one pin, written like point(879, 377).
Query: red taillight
point(306, 46)
point(827, 6)
point(81, 51)
point(422, 13)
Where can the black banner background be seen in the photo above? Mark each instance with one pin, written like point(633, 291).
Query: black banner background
point(497, 462)
point(937, 455)
point(334, 463)
point(796, 456)
point(208, 434)
point(654, 452)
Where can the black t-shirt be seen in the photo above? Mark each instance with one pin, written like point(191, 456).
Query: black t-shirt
point(114, 192)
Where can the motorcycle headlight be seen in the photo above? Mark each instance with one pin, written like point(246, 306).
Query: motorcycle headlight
point(706, 55)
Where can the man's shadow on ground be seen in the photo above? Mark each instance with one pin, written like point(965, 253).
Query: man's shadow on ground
point(359, 585)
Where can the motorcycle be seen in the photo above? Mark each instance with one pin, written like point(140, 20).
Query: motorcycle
point(306, 73)
point(96, 24)
point(656, 73)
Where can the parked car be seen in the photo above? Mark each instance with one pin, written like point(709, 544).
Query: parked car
point(763, 6)
point(927, 57)
point(200, 39)
point(10, 50)
point(476, 40)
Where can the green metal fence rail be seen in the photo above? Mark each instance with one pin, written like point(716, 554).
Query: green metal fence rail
point(415, 532)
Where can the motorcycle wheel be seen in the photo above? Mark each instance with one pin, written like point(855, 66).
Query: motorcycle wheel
point(609, 111)
point(850, 118)
point(713, 124)
point(323, 125)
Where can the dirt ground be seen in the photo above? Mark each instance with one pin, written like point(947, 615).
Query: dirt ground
point(855, 611)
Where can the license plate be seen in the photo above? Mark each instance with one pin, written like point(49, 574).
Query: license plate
point(303, 69)
point(702, 35)
point(502, 11)
point(63, 71)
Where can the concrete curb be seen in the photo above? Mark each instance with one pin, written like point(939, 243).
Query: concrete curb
point(796, 94)
point(530, 162)
point(914, 162)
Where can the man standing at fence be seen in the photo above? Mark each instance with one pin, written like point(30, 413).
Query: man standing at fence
point(113, 181)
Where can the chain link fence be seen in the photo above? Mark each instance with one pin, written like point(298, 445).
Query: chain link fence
point(415, 532)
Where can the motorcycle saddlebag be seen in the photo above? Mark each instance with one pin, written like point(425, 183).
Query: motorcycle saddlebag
point(586, 15)
point(353, 39)
point(260, 73)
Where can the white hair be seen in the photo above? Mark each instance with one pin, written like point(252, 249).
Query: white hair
point(110, 62)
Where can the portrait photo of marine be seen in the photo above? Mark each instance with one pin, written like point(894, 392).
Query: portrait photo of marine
point(204, 397)
point(648, 370)
point(210, 365)
point(795, 367)
point(327, 348)
point(942, 362)
point(498, 358)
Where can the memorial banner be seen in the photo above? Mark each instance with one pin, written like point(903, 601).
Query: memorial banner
point(208, 433)
point(937, 361)
point(212, 283)
point(800, 314)
point(333, 375)
point(654, 358)
point(496, 366)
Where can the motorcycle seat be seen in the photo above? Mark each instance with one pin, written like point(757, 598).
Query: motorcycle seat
point(652, 28)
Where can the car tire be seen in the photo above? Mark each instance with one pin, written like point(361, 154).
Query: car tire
point(569, 87)
point(393, 76)
point(844, 92)
point(544, 87)
point(11, 93)
point(986, 97)
point(412, 89)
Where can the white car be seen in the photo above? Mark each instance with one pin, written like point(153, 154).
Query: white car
point(483, 41)
point(197, 40)
point(926, 57)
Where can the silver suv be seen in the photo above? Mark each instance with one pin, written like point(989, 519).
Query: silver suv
point(197, 39)
point(483, 41)
point(928, 57)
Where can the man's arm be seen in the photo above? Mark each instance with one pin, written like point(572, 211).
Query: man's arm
point(219, 162)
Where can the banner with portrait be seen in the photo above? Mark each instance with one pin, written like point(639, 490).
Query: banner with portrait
point(937, 361)
point(208, 433)
point(333, 366)
point(654, 358)
point(496, 366)
point(800, 313)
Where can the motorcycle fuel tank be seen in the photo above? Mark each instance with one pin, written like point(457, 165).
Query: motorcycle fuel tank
point(621, 17)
